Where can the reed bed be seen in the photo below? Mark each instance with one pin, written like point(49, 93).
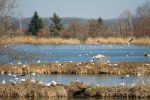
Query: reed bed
point(44, 40)
point(132, 68)
point(74, 89)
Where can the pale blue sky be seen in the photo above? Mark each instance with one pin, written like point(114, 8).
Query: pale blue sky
point(77, 8)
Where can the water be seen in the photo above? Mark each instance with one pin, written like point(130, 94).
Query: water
point(104, 80)
point(28, 53)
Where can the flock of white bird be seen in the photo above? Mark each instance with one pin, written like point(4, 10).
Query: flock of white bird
point(98, 57)
point(18, 79)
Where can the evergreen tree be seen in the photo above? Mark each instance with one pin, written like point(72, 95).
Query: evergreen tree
point(35, 24)
point(56, 25)
point(100, 20)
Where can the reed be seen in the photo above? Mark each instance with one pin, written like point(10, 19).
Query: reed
point(44, 40)
point(74, 89)
point(132, 68)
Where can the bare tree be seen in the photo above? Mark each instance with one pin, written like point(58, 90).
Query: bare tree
point(143, 10)
point(6, 11)
point(125, 23)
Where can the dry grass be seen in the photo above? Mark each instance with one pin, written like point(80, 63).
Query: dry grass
point(38, 40)
point(133, 68)
point(31, 89)
point(74, 89)
point(42, 40)
point(118, 40)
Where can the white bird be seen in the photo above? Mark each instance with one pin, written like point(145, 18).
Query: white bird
point(9, 74)
point(98, 57)
point(127, 75)
point(122, 84)
point(22, 80)
point(19, 63)
point(14, 75)
point(3, 82)
point(48, 84)
point(108, 62)
point(71, 61)
point(33, 74)
point(133, 84)
point(139, 74)
point(97, 85)
point(53, 82)
point(24, 66)
point(40, 82)
point(57, 61)
point(38, 61)
point(2, 72)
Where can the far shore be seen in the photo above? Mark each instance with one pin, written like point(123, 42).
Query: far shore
point(99, 40)
point(130, 68)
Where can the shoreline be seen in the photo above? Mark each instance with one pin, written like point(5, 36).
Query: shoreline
point(44, 40)
point(73, 90)
point(124, 68)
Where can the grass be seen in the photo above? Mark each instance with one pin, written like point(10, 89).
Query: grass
point(74, 89)
point(132, 68)
point(31, 89)
point(43, 40)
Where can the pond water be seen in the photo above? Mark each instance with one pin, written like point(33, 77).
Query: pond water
point(104, 80)
point(28, 53)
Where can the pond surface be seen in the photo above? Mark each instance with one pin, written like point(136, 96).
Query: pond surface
point(104, 80)
point(28, 53)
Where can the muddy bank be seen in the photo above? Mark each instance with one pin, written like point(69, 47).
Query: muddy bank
point(74, 89)
point(132, 68)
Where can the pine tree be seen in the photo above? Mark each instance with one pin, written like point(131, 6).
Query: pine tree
point(56, 25)
point(35, 24)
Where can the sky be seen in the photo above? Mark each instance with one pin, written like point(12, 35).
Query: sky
point(106, 9)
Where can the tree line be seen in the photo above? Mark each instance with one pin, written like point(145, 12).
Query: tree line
point(94, 28)
point(128, 24)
